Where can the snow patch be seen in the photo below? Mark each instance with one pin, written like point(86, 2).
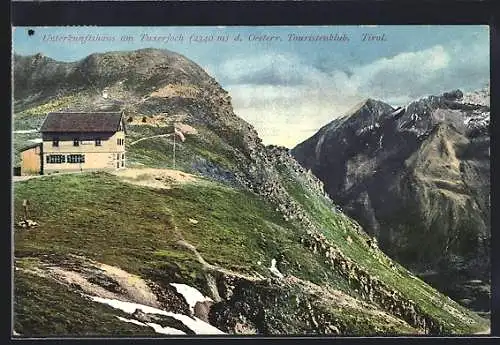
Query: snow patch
point(478, 120)
point(156, 327)
point(480, 97)
point(25, 131)
point(397, 111)
point(196, 325)
point(274, 270)
point(164, 330)
point(190, 294)
point(367, 129)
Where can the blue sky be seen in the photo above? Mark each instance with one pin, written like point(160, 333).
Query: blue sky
point(289, 89)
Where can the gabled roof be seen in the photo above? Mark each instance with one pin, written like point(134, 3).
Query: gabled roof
point(81, 122)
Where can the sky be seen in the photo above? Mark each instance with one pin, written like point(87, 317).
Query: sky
point(289, 88)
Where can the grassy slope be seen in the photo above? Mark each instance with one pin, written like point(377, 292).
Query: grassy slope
point(334, 227)
point(38, 312)
point(32, 116)
point(158, 152)
point(97, 216)
point(105, 219)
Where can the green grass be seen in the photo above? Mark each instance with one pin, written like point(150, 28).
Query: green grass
point(44, 108)
point(97, 216)
point(45, 308)
point(158, 152)
point(31, 115)
point(336, 227)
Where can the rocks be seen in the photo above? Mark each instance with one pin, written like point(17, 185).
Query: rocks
point(170, 299)
point(202, 310)
point(371, 288)
point(99, 278)
point(27, 223)
point(453, 95)
point(382, 178)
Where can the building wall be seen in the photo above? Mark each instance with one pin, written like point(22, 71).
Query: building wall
point(108, 156)
point(30, 161)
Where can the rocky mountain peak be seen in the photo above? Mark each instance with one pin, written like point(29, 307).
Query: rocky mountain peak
point(453, 95)
point(404, 174)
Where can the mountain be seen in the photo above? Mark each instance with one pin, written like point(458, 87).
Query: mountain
point(417, 179)
point(237, 238)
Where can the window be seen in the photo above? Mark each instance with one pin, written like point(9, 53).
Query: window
point(76, 142)
point(123, 164)
point(76, 158)
point(117, 164)
point(98, 142)
point(123, 155)
point(52, 159)
point(117, 156)
point(55, 142)
point(120, 141)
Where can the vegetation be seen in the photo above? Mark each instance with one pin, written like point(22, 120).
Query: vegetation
point(100, 217)
point(45, 308)
point(336, 228)
point(105, 220)
point(158, 151)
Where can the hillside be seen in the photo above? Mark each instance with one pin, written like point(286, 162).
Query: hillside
point(416, 178)
point(238, 239)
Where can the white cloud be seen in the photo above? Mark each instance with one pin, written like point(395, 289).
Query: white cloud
point(288, 99)
point(286, 115)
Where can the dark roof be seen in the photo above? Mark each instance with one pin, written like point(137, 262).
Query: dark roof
point(81, 122)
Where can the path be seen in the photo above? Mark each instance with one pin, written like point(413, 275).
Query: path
point(153, 136)
point(29, 177)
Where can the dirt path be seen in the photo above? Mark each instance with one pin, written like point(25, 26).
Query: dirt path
point(154, 178)
point(151, 137)
point(25, 178)
point(29, 177)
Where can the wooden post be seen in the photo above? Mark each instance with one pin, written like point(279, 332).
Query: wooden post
point(26, 203)
point(174, 146)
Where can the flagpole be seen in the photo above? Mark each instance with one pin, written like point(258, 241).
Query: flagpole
point(174, 147)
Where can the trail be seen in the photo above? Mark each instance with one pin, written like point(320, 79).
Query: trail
point(29, 177)
point(153, 136)
point(209, 267)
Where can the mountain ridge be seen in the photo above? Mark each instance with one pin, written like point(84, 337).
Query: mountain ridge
point(420, 152)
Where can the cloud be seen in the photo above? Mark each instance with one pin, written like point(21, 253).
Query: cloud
point(286, 115)
point(288, 98)
point(273, 69)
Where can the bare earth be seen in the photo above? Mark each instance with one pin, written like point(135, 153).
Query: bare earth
point(155, 178)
